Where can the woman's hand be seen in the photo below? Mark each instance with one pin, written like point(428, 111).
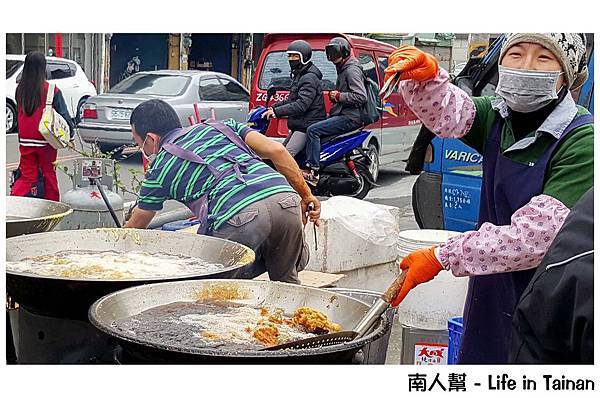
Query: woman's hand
point(411, 63)
point(422, 266)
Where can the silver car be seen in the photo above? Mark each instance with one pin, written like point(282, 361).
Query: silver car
point(105, 118)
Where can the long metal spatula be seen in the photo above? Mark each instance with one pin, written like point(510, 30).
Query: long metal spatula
point(363, 326)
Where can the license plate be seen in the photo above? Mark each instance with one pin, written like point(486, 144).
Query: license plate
point(120, 114)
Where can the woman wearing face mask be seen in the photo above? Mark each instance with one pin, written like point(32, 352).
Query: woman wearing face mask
point(537, 147)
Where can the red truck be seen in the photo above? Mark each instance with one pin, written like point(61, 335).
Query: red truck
point(392, 135)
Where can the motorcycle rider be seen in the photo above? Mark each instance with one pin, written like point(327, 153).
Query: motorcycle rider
point(305, 104)
point(347, 98)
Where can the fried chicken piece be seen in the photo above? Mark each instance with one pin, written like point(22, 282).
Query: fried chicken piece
point(277, 317)
point(268, 335)
point(314, 321)
point(210, 335)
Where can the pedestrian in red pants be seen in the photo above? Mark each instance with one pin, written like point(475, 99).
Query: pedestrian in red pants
point(36, 153)
point(34, 159)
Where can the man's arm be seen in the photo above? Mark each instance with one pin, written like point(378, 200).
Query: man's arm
point(286, 165)
point(151, 199)
point(140, 218)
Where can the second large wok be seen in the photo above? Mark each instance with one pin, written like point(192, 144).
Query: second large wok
point(106, 312)
point(72, 297)
point(32, 215)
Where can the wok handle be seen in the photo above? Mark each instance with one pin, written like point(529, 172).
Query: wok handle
point(392, 291)
point(380, 306)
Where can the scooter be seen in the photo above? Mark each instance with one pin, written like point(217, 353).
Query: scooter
point(345, 164)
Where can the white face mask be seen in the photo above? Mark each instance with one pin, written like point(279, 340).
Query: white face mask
point(149, 158)
point(526, 90)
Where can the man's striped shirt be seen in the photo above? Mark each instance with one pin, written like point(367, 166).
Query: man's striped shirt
point(173, 178)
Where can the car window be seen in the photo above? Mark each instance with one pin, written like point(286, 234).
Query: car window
point(73, 68)
point(368, 64)
point(12, 66)
point(235, 92)
point(58, 70)
point(382, 62)
point(152, 84)
point(211, 89)
point(276, 70)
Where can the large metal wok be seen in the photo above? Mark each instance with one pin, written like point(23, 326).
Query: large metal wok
point(338, 307)
point(72, 297)
point(31, 215)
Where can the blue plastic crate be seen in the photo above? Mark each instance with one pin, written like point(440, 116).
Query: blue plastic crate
point(455, 331)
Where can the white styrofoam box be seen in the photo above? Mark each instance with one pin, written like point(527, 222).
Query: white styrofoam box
point(373, 277)
point(340, 249)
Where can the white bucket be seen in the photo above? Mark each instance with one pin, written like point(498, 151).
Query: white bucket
point(431, 304)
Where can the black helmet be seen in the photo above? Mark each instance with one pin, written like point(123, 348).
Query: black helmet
point(337, 47)
point(301, 48)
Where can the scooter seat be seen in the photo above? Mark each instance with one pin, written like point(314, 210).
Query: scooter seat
point(334, 137)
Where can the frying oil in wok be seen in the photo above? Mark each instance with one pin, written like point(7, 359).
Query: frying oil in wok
point(206, 325)
point(83, 264)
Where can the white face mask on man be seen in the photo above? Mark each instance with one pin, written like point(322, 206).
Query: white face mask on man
point(149, 158)
point(527, 90)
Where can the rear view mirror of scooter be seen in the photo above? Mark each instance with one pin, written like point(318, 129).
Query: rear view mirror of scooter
point(271, 91)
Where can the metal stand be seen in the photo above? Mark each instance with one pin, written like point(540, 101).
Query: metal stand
point(94, 181)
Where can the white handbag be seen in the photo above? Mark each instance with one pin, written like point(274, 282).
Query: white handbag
point(53, 127)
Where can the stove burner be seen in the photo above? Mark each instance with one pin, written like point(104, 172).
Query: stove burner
point(40, 339)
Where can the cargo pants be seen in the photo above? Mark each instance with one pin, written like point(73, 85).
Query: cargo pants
point(272, 227)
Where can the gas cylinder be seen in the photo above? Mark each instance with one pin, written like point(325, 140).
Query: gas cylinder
point(89, 208)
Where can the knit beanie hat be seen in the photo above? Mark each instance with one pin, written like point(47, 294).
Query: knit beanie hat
point(569, 49)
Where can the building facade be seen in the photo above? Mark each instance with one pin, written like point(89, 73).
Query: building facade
point(87, 49)
point(107, 58)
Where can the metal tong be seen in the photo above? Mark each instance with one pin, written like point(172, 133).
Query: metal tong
point(311, 207)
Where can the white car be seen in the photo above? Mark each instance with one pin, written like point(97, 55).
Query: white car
point(66, 74)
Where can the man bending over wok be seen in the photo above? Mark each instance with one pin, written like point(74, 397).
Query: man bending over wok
point(215, 169)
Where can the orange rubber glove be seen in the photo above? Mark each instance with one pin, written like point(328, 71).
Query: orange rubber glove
point(422, 266)
point(411, 63)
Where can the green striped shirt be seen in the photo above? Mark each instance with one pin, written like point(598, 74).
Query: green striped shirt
point(173, 178)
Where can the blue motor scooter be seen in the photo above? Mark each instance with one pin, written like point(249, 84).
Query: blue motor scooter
point(345, 164)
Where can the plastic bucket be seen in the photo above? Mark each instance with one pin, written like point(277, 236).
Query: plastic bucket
point(376, 351)
point(430, 305)
point(424, 346)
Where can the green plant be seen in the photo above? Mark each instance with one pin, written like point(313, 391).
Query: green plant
point(96, 153)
